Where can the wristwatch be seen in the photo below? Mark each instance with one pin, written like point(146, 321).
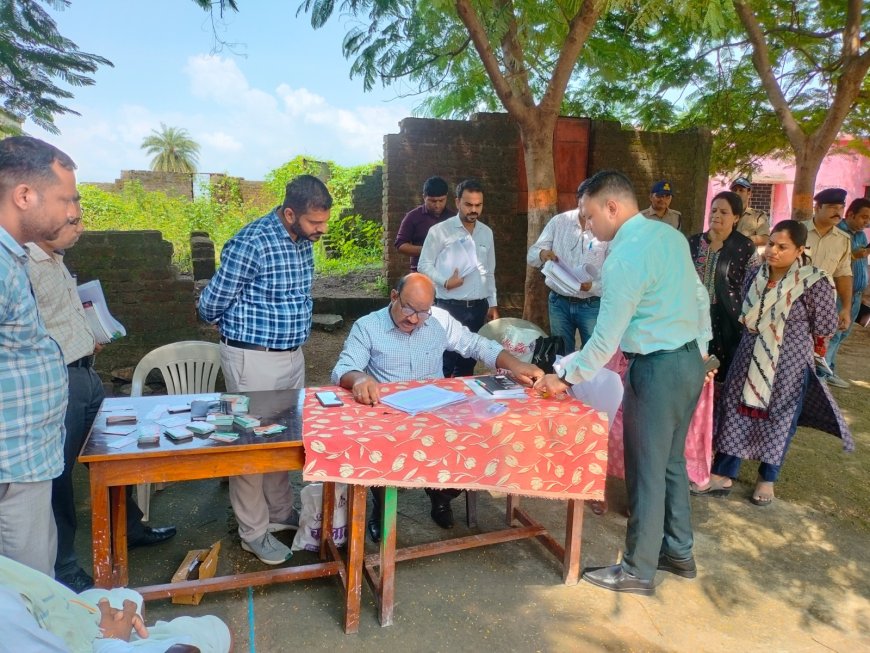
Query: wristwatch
point(562, 376)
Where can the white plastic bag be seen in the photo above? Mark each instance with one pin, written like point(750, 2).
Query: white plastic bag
point(311, 518)
point(520, 342)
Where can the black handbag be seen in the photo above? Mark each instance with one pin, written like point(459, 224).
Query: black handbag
point(546, 350)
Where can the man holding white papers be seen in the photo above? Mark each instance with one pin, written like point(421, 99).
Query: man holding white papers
point(571, 257)
point(459, 256)
point(61, 310)
point(406, 341)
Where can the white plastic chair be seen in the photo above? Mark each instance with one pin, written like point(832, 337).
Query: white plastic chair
point(495, 330)
point(188, 367)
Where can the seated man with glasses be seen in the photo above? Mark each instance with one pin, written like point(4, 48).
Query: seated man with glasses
point(406, 341)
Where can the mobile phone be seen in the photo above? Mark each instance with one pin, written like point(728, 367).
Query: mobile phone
point(712, 363)
point(328, 399)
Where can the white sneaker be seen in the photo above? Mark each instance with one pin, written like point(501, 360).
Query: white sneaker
point(837, 382)
point(291, 524)
point(269, 550)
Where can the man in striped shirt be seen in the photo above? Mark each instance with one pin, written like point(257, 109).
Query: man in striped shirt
point(260, 299)
point(406, 341)
point(60, 307)
point(38, 199)
point(568, 241)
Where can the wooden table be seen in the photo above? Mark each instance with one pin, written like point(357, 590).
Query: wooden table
point(545, 448)
point(112, 469)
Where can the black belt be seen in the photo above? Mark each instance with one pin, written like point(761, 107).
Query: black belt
point(577, 300)
point(467, 303)
point(84, 361)
point(689, 346)
point(238, 344)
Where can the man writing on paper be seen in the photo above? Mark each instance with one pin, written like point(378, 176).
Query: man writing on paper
point(567, 240)
point(459, 257)
point(61, 309)
point(650, 308)
point(406, 341)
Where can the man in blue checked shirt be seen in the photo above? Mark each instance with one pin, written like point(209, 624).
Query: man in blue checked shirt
point(406, 341)
point(260, 299)
point(38, 199)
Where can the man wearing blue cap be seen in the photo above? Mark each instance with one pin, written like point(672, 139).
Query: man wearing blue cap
point(754, 223)
point(660, 197)
point(831, 250)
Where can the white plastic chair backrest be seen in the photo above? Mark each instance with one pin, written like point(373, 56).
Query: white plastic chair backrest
point(188, 367)
point(495, 330)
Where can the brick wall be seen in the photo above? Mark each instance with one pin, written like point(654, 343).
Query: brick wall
point(142, 288)
point(174, 184)
point(682, 158)
point(488, 147)
point(367, 197)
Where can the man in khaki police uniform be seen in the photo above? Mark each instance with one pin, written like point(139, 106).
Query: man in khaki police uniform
point(831, 250)
point(754, 223)
point(660, 196)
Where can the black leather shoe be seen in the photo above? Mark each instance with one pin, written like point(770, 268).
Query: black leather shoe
point(151, 536)
point(78, 581)
point(684, 567)
point(616, 579)
point(374, 529)
point(442, 514)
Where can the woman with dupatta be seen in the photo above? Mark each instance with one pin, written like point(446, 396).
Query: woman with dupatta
point(772, 387)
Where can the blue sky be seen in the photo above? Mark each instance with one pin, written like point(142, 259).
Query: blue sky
point(284, 90)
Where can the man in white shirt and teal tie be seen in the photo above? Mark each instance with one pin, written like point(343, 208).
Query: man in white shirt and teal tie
point(650, 308)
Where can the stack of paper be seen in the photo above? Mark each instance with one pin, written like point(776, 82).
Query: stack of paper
point(422, 399)
point(567, 278)
point(459, 254)
point(105, 327)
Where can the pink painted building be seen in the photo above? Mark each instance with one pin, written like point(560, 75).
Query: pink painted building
point(772, 183)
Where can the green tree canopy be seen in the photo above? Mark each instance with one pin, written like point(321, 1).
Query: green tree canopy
point(34, 58)
point(173, 150)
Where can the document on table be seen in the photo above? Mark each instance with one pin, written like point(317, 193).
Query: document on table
point(603, 392)
point(422, 399)
point(459, 254)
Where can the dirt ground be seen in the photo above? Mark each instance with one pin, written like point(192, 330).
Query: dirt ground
point(790, 577)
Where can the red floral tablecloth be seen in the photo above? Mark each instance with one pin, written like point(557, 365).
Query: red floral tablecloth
point(539, 447)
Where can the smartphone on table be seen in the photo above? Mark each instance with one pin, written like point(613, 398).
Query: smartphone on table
point(328, 399)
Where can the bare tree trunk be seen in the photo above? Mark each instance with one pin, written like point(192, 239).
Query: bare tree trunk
point(543, 205)
point(808, 160)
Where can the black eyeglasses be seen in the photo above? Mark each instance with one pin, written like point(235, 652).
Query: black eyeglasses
point(408, 311)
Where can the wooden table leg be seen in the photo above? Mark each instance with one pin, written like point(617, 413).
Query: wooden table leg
point(573, 542)
point(100, 529)
point(387, 585)
point(355, 555)
point(513, 502)
point(118, 507)
point(327, 509)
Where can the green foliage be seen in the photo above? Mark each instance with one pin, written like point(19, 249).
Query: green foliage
point(350, 244)
point(172, 148)
point(34, 58)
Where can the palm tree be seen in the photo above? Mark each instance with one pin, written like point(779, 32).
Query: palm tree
point(173, 149)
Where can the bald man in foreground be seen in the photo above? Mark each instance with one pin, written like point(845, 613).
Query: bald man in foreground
point(406, 341)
